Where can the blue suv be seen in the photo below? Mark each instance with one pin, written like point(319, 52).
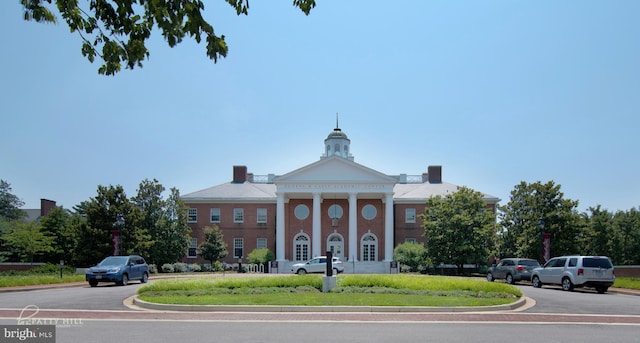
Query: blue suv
point(119, 269)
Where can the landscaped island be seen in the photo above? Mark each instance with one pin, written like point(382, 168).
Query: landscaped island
point(351, 290)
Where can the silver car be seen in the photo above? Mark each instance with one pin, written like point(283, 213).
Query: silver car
point(318, 265)
point(513, 270)
point(576, 271)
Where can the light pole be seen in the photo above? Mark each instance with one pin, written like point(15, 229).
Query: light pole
point(541, 229)
point(120, 222)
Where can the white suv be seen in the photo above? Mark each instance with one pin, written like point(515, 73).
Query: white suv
point(318, 265)
point(576, 271)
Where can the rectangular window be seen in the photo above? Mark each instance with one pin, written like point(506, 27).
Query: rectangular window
point(215, 215)
point(238, 247)
point(262, 216)
point(193, 248)
point(409, 240)
point(238, 215)
point(261, 243)
point(410, 215)
point(192, 215)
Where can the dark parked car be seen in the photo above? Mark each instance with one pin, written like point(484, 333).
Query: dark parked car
point(513, 269)
point(118, 269)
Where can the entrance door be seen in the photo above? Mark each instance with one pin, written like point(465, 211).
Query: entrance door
point(335, 244)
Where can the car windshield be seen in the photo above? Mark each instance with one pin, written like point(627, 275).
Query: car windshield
point(590, 262)
point(114, 261)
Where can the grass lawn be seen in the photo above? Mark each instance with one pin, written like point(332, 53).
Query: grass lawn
point(11, 280)
point(627, 282)
point(351, 290)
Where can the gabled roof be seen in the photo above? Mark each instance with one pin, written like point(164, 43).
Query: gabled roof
point(335, 169)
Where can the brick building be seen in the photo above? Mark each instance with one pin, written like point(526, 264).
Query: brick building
point(334, 204)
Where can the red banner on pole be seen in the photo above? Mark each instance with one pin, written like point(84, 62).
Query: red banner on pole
point(115, 242)
point(546, 247)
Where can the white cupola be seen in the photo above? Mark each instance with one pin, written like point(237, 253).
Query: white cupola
point(337, 144)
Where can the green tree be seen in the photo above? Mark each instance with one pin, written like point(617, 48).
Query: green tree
point(596, 236)
point(116, 31)
point(57, 224)
point(95, 236)
point(171, 234)
point(459, 228)
point(261, 256)
point(625, 237)
point(535, 207)
point(10, 204)
point(29, 240)
point(5, 249)
point(213, 248)
point(412, 255)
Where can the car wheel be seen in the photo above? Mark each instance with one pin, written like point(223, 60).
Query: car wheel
point(602, 290)
point(335, 271)
point(567, 285)
point(125, 280)
point(535, 281)
point(301, 271)
point(490, 277)
point(510, 279)
point(145, 278)
point(93, 283)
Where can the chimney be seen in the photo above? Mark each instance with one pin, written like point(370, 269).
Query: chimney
point(239, 174)
point(46, 206)
point(435, 174)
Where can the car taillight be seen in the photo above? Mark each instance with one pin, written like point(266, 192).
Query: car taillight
point(580, 271)
point(520, 268)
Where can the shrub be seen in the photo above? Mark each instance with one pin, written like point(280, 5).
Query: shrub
point(51, 268)
point(194, 267)
point(412, 255)
point(261, 256)
point(180, 267)
point(167, 268)
point(153, 269)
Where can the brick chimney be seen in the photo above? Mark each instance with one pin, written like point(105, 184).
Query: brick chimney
point(46, 206)
point(435, 174)
point(239, 174)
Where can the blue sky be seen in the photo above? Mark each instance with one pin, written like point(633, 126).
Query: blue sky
point(497, 92)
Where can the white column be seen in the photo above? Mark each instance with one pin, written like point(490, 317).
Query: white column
point(353, 227)
point(316, 239)
point(388, 228)
point(280, 227)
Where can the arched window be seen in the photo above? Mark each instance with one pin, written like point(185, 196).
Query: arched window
point(337, 150)
point(346, 151)
point(301, 247)
point(369, 247)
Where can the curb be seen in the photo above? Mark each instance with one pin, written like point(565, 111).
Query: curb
point(141, 304)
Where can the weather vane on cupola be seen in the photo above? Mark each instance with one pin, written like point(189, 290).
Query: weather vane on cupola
point(337, 143)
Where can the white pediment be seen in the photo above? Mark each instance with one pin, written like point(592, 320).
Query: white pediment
point(335, 170)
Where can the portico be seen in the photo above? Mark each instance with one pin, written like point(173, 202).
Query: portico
point(366, 189)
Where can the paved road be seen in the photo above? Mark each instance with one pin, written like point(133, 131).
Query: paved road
point(107, 301)
point(108, 331)
point(551, 299)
